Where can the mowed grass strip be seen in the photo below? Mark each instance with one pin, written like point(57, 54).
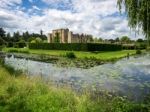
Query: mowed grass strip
point(79, 54)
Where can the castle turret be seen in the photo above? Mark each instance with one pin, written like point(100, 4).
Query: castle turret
point(69, 37)
point(49, 38)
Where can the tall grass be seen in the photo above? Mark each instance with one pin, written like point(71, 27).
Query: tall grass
point(21, 94)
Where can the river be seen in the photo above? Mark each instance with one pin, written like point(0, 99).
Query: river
point(128, 77)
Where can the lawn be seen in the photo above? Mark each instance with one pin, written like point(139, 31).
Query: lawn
point(79, 54)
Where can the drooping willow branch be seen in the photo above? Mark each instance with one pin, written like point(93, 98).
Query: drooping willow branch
point(138, 13)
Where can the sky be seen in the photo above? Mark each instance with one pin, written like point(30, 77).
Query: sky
point(101, 18)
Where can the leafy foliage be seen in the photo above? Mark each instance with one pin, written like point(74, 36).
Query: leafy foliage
point(2, 33)
point(125, 39)
point(138, 51)
point(70, 55)
point(138, 12)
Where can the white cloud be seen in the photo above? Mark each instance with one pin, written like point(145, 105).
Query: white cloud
point(31, 1)
point(95, 17)
point(6, 3)
point(35, 7)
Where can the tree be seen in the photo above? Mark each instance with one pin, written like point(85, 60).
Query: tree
point(138, 12)
point(38, 40)
point(26, 36)
point(2, 42)
point(33, 41)
point(41, 32)
point(30, 39)
point(140, 40)
point(117, 39)
point(125, 39)
point(100, 39)
point(111, 40)
point(16, 36)
point(2, 33)
point(21, 43)
point(8, 37)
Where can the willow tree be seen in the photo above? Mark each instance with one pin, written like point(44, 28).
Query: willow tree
point(138, 13)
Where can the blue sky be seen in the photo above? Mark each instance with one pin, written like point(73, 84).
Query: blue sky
point(100, 18)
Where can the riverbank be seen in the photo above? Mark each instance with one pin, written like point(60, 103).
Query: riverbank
point(22, 94)
point(81, 60)
point(103, 55)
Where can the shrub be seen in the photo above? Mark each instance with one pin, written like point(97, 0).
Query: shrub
point(16, 45)
point(142, 46)
point(129, 47)
point(76, 46)
point(19, 45)
point(1, 48)
point(70, 55)
point(148, 48)
point(138, 51)
point(10, 44)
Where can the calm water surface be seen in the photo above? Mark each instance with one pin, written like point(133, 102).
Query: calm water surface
point(130, 77)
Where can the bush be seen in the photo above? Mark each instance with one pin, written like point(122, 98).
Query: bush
point(10, 44)
point(70, 55)
point(19, 45)
point(129, 47)
point(76, 46)
point(148, 48)
point(138, 51)
point(1, 48)
point(142, 46)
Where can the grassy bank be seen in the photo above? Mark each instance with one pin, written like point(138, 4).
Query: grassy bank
point(21, 94)
point(109, 55)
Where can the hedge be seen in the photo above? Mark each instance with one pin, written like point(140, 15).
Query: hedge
point(134, 47)
point(17, 44)
point(1, 47)
point(129, 47)
point(76, 46)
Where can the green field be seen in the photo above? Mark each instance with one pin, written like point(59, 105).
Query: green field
point(79, 54)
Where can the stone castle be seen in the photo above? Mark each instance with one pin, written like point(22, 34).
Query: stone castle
point(66, 36)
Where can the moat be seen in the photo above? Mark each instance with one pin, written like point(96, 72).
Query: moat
point(128, 77)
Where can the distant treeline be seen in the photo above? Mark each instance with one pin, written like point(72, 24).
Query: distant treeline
point(16, 37)
point(20, 40)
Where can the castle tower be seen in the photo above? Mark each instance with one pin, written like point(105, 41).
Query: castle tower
point(70, 37)
point(49, 38)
